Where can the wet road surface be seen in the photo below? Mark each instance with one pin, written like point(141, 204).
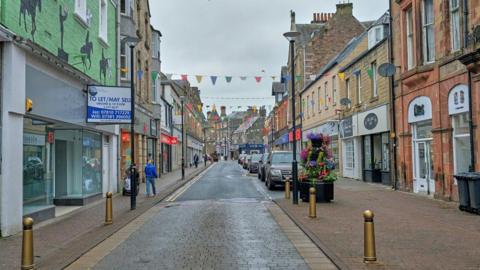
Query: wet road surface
point(220, 222)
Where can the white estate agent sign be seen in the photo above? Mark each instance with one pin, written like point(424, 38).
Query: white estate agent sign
point(109, 105)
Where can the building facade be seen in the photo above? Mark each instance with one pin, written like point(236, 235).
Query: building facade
point(50, 54)
point(436, 103)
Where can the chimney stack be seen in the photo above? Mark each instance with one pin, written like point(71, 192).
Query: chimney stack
point(223, 111)
point(321, 17)
point(345, 9)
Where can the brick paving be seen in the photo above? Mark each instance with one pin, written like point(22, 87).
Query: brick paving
point(61, 241)
point(412, 232)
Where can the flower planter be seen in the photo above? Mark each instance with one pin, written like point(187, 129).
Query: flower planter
point(324, 191)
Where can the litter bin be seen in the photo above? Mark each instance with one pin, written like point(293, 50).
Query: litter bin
point(463, 191)
point(474, 188)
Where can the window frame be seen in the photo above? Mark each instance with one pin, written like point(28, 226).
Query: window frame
point(347, 92)
point(319, 97)
point(334, 90)
point(125, 77)
point(313, 103)
point(325, 94)
point(455, 39)
point(358, 86)
point(409, 37)
point(103, 20)
point(425, 38)
point(80, 10)
point(456, 136)
point(373, 66)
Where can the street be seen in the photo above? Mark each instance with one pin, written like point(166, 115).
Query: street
point(221, 221)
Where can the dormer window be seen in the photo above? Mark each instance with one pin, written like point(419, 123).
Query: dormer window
point(375, 35)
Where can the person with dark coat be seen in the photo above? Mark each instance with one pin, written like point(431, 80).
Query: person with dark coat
point(151, 175)
point(195, 160)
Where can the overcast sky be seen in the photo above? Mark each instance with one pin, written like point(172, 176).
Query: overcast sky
point(236, 38)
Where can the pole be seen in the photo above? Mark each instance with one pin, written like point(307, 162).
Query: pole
point(312, 210)
point(183, 142)
point(294, 129)
point(27, 244)
point(369, 252)
point(133, 180)
point(109, 209)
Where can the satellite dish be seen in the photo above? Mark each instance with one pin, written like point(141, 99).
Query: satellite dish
point(345, 101)
point(386, 70)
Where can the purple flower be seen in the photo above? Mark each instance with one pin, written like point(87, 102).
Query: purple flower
point(312, 163)
point(304, 155)
point(313, 136)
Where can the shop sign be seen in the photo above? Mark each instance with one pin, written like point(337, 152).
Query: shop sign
point(170, 140)
point(458, 100)
point(298, 133)
point(108, 105)
point(50, 137)
point(346, 127)
point(329, 128)
point(420, 109)
point(33, 139)
point(373, 121)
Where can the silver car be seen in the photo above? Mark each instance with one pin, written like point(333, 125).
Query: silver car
point(278, 168)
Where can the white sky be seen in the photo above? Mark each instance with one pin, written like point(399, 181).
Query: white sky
point(236, 38)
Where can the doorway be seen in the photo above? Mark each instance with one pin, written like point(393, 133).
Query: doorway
point(424, 182)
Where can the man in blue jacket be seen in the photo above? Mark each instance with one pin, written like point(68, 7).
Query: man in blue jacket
point(151, 175)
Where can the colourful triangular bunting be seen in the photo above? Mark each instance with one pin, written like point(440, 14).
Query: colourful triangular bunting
point(214, 79)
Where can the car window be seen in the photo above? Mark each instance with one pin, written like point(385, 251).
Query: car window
point(281, 158)
point(256, 158)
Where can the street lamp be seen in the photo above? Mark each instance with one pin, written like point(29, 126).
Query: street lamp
point(291, 36)
point(272, 126)
point(132, 42)
point(182, 100)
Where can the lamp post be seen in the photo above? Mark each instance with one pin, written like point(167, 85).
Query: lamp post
point(182, 100)
point(272, 127)
point(291, 36)
point(132, 42)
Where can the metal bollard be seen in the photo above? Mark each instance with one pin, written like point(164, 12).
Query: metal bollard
point(369, 253)
point(287, 189)
point(109, 209)
point(27, 244)
point(312, 211)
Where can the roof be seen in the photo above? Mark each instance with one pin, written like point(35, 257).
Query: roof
point(307, 32)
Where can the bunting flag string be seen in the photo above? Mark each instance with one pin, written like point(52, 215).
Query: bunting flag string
point(199, 78)
point(228, 79)
point(214, 79)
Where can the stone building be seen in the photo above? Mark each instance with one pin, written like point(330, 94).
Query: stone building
point(436, 105)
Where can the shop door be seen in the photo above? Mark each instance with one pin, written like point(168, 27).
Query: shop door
point(424, 168)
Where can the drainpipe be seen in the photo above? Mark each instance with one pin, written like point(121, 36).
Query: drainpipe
point(470, 101)
point(393, 159)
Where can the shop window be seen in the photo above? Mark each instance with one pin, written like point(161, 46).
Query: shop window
point(428, 31)
point(367, 153)
point(455, 24)
point(123, 61)
point(37, 167)
point(461, 142)
point(385, 152)
point(92, 157)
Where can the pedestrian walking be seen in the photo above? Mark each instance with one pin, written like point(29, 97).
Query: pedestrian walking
point(195, 160)
point(151, 175)
point(205, 158)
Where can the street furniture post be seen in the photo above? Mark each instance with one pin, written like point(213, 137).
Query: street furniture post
point(312, 213)
point(369, 238)
point(27, 244)
point(287, 189)
point(109, 209)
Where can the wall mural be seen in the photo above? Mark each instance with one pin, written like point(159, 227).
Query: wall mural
point(29, 7)
point(52, 26)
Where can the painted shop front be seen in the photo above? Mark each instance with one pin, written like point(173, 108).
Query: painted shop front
point(351, 148)
point(420, 120)
point(373, 127)
point(330, 129)
point(167, 142)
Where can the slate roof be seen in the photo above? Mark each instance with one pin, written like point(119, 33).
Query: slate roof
point(248, 123)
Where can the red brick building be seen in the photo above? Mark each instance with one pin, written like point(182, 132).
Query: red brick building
point(433, 94)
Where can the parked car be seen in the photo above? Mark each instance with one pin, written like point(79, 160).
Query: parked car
point(278, 168)
point(254, 163)
point(240, 159)
point(246, 159)
point(261, 169)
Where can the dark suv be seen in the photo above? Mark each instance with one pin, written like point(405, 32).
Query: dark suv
point(262, 165)
point(278, 168)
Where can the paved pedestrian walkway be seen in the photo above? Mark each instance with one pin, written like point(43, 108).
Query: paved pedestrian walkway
point(60, 241)
point(412, 232)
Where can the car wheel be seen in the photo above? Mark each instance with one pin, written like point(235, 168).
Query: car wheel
point(270, 185)
point(258, 175)
point(263, 177)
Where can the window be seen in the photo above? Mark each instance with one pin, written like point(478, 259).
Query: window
point(313, 103)
point(385, 152)
point(358, 79)
point(308, 106)
point(155, 90)
point(455, 24)
point(103, 21)
point(347, 89)
point(304, 109)
point(428, 32)
point(409, 28)
point(375, 35)
point(325, 94)
point(123, 61)
point(319, 98)
point(126, 7)
point(123, 6)
point(373, 68)
point(461, 142)
point(81, 9)
point(334, 90)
